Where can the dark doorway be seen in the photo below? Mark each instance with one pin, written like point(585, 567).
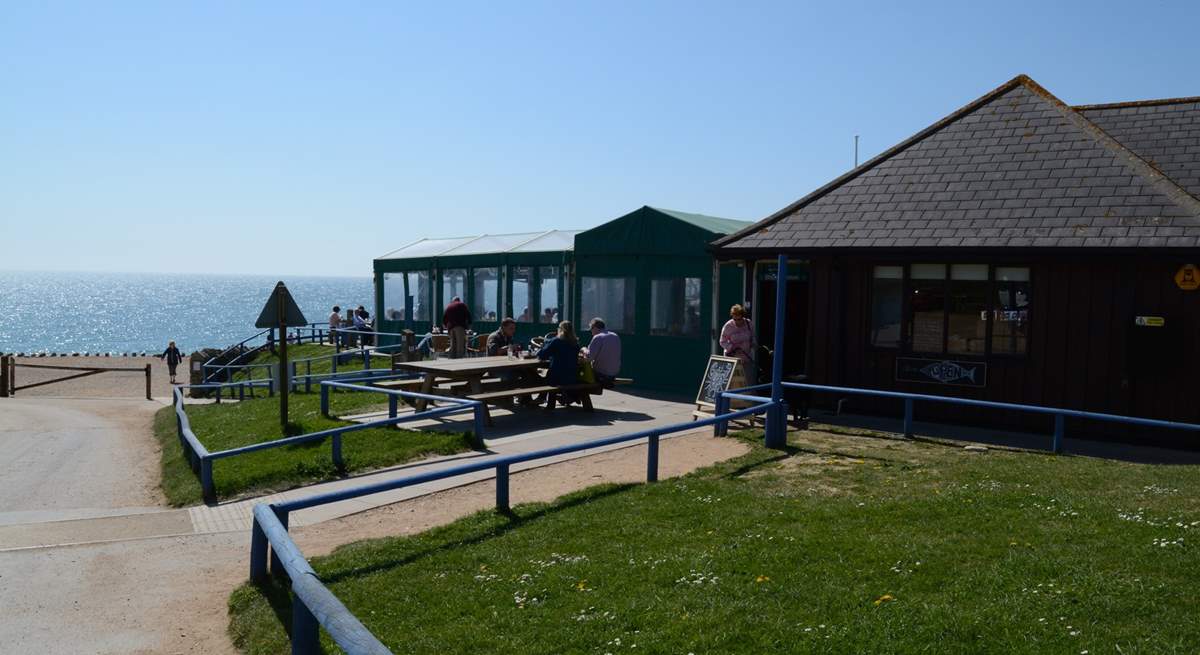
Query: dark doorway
point(795, 338)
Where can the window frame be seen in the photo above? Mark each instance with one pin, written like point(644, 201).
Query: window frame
point(905, 349)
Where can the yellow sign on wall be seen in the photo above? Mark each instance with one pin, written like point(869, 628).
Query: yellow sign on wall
point(1188, 277)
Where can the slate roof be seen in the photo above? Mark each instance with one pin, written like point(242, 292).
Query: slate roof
point(1015, 168)
point(1166, 133)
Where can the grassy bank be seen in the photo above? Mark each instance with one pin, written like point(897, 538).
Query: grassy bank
point(845, 544)
point(323, 361)
point(229, 425)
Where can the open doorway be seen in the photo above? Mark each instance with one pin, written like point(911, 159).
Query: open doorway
point(795, 343)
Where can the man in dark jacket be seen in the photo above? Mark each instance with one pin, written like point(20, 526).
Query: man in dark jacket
point(456, 319)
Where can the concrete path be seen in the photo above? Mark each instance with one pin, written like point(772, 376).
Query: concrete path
point(91, 562)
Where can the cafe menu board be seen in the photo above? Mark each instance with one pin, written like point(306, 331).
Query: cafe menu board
point(722, 374)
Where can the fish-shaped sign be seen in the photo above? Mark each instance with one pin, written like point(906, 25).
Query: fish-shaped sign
point(959, 373)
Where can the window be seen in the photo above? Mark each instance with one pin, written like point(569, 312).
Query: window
point(675, 307)
point(522, 302)
point(417, 287)
point(969, 288)
point(957, 309)
point(887, 297)
point(393, 296)
point(548, 295)
point(609, 298)
point(927, 300)
point(1010, 330)
point(454, 283)
point(486, 301)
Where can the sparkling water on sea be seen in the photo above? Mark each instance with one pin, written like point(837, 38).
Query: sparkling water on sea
point(124, 312)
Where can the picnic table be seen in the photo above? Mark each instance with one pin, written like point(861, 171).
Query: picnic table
point(523, 381)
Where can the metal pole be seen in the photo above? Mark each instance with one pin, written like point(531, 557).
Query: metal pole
point(776, 428)
point(502, 488)
point(148, 396)
point(281, 304)
point(652, 459)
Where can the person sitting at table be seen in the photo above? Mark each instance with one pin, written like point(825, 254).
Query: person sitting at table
point(604, 352)
point(501, 341)
point(562, 351)
point(525, 317)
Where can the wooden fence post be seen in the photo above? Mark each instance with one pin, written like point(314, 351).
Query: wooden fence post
point(148, 396)
point(4, 376)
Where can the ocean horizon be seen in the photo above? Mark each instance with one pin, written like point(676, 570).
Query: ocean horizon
point(77, 311)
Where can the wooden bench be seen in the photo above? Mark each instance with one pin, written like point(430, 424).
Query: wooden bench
point(505, 396)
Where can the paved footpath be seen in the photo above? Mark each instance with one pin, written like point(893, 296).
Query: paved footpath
point(89, 564)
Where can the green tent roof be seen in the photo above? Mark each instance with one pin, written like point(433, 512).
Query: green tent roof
point(713, 224)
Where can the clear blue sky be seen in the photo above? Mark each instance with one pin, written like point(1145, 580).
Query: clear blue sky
point(286, 138)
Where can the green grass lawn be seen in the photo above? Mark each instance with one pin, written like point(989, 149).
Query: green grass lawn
point(229, 425)
point(845, 544)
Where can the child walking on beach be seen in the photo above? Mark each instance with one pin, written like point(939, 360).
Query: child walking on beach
point(173, 357)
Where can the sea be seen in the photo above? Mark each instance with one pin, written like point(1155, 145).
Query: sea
point(64, 312)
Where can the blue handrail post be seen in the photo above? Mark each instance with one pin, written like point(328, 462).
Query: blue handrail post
point(776, 428)
point(292, 377)
point(393, 405)
point(908, 418)
point(337, 452)
point(305, 635)
point(366, 358)
point(480, 420)
point(308, 376)
point(652, 459)
point(258, 551)
point(1059, 429)
point(207, 488)
point(721, 428)
point(502, 488)
point(325, 401)
point(276, 563)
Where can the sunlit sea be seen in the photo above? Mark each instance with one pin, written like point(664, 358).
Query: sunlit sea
point(124, 312)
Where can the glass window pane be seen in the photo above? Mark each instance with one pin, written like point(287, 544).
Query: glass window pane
point(675, 307)
point(1010, 332)
point(968, 311)
point(487, 294)
point(886, 299)
point(928, 271)
point(418, 289)
point(454, 284)
point(928, 301)
point(522, 280)
point(609, 298)
point(969, 272)
point(393, 296)
point(548, 295)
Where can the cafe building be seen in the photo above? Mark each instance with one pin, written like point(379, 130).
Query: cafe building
point(1019, 250)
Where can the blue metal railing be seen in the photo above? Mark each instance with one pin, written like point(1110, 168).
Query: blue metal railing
point(1060, 414)
point(313, 605)
point(311, 333)
point(201, 459)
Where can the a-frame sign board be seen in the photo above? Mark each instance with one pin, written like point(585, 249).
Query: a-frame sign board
point(281, 312)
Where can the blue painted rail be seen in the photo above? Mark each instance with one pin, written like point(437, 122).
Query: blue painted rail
point(314, 606)
point(910, 399)
point(201, 459)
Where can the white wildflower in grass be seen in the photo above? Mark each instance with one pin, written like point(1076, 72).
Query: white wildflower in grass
point(696, 578)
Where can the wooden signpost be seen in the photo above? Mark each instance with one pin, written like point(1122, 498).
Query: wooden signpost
point(721, 374)
point(281, 312)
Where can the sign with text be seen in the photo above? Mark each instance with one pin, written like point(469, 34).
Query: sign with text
point(941, 371)
point(1188, 277)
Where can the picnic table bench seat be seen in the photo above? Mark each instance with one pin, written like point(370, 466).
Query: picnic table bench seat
point(505, 396)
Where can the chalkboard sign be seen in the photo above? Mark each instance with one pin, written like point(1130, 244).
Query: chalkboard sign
point(721, 372)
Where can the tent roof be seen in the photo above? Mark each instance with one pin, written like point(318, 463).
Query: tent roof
point(713, 224)
point(548, 241)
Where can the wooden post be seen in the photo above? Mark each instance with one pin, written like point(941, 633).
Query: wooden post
point(4, 376)
point(148, 396)
point(281, 304)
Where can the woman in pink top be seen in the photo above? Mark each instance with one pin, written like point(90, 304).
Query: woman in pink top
point(737, 340)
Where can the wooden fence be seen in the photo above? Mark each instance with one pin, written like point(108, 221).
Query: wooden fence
point(9, 365)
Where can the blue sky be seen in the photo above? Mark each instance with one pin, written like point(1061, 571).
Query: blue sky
point(290, 138)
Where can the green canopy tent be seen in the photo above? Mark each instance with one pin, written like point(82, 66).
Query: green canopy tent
point(519, 275)
point(649, 275)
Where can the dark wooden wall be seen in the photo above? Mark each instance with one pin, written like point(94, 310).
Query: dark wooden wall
point(1081, 323)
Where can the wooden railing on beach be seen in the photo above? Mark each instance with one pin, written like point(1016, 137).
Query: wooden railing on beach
point(8, 375)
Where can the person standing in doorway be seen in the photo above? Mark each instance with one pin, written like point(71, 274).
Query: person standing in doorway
point(737, 340)
point(456, 319)
point(173, 357)
point(335, 321)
